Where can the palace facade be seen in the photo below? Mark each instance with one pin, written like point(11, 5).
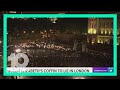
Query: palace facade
point(100, 30)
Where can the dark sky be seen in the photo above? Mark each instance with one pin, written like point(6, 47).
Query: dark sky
point(45, 24)
point(73, 24)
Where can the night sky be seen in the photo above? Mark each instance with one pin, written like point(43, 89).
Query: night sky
point(46, 24)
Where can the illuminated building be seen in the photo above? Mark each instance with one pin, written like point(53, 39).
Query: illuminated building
point(100, 30)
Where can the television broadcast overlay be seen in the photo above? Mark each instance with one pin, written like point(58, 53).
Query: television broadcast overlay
point(60, 44)
point(47, 44)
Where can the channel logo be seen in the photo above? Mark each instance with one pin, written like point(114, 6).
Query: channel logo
point(103, 69)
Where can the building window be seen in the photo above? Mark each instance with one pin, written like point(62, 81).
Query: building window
point(98, 40)
point(109, 32)
point(89, 31)
point(101, 41)
point(94, 31)
point(105, 31)
point(101, 31)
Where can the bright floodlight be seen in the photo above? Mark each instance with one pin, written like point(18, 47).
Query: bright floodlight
point(18, 50)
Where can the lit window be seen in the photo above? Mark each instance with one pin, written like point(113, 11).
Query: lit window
point(98, 41)
point(94, 31)
point(109, 32)
point(89, 31)
point(105, 32)
point(101, 31)
point(101, 41)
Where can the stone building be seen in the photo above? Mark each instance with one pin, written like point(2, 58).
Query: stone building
point(100, 30)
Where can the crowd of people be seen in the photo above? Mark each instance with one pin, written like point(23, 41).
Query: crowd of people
point(41, 55)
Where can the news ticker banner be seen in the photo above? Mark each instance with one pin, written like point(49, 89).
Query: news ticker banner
point(60, 69)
